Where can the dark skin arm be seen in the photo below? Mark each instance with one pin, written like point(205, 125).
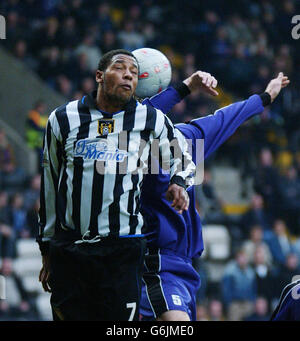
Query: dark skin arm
point(45, 273)
point(179, 197)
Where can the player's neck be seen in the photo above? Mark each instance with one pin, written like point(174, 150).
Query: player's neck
point(108, 103)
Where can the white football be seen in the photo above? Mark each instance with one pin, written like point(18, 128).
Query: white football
point(154, 72)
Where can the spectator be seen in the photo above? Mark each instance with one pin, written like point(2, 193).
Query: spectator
point(221, 50)
point(87, 85)
point(178, 112)
point(32, 219)
point(263, 75)
point(215, 310)
point(64, 86)
point(7, 237)
point(296, 246)
point(266, 183)
point(239, 287)
point(13, 178)
point(36, 124)
point(47, 36)
point(201, 313)
point(255, 241)
point(240, 69)
point(290, 194)
point(32, 192)
point(103, 17)
point(238, 30)
point(150, 34)
point(68, 36)
point(200, 266)
point(18, 216)
point(265, 275)
point(21, 53)
point(93, 53)
point(77, 70)
point(261, 312)
point(22, 307)
point(209, 205)
point(153, 12)
point(76, 10)
point(7, 154)
point(14, 29)
point(256, 215)
point(50, 65)
point(109, 41)
point(279, 242)
point(129, 38)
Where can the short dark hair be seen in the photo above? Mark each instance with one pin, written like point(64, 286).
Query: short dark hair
point(106, 58)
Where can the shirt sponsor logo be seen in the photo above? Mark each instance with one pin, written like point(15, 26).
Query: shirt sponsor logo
point(98, 150)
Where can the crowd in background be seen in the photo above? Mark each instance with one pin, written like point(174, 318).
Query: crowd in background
point(243, 44)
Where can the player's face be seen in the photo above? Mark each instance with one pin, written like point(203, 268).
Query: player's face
point(120, 79)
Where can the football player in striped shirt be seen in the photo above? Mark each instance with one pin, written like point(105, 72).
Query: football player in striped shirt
point(95, 154)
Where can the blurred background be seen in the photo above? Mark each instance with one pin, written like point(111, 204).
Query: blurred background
point(250, 199)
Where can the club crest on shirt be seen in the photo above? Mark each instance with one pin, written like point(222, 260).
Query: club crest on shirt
point(106, 126)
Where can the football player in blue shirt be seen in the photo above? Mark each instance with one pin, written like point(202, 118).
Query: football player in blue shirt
point(170, 282)
point(288, 307)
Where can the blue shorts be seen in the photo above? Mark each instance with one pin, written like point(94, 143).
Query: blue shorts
point(170, 282)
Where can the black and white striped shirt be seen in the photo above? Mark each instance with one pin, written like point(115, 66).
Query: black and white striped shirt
point(77, 191)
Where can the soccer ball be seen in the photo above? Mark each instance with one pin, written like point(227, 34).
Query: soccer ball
point(154, 72)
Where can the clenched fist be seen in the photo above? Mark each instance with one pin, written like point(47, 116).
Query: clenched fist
point(179, 197)
point(203, 81)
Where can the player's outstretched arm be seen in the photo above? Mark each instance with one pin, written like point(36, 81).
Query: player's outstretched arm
point(217, 128)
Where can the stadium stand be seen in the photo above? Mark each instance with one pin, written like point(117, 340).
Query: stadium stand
point(244, 44)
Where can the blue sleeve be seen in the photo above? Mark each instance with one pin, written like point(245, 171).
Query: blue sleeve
point(217, 128)
point(214, 129)
point(165, 100)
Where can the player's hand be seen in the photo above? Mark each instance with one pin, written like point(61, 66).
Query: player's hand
point(276, 84)
point(203, 81)
point(45, 274)
point(179, 197)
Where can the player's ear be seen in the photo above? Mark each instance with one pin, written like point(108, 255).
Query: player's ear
point(99, 76)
